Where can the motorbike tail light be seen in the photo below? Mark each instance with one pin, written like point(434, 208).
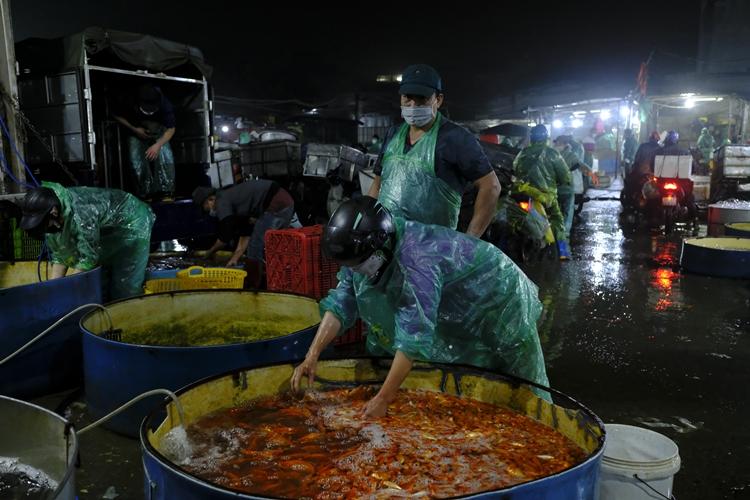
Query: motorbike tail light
point(670, 186)
point(525, 205)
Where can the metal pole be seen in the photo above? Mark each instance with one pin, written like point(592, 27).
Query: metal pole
point(10, 87)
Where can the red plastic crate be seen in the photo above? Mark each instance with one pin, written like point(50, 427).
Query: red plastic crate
point(295, 262)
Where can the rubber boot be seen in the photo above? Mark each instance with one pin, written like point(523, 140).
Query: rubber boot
point(562, 250)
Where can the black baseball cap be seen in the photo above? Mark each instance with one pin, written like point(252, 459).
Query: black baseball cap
point(201, 194)
point(420, 79)
point(149, 98)
point(36, 206)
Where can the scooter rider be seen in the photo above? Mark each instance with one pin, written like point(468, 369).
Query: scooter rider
point(544, 168)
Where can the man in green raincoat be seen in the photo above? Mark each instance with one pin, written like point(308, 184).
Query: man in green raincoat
point(706, 145)
point(428, 162)
point(427, 293)
point(86, 227)
point(566, 193)
point(544, 168)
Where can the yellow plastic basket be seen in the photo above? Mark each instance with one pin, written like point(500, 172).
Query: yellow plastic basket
point(197, 277)
point(162, 285)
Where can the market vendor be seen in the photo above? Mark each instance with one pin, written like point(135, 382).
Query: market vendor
point(428, 162)
point(150, 121)
point(427, 293)
point(245, 212)
point(86, 227)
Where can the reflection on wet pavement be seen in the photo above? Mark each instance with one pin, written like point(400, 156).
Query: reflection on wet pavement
point(630, 335)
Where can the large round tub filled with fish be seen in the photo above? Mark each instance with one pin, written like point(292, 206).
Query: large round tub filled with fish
point(30, 303)
point(169, 340)
point(37, 453)
point(452, 431)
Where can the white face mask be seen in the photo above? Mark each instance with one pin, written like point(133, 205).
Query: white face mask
point(147, 113)
point(371, 265)
point(418, 116)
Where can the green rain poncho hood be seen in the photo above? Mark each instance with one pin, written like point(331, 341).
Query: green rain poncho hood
point(542, 167)
point(103, 227)
point(446, 297)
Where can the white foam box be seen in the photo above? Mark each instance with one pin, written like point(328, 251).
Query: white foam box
point(734, 151)
point(673, 166)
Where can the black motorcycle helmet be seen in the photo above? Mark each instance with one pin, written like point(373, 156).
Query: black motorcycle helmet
point(672, 138)
point(36, 206)
point(356, 229)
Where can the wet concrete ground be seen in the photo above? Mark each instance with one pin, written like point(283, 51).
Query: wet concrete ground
point(641, 343)
point(624, 332)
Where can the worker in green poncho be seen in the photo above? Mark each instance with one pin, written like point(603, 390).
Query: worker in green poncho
point(427, 163)
point(566, 192)
point(544, 168)
point(149, 121)
point(427, 293)
point(86, 227)
point(706, 146)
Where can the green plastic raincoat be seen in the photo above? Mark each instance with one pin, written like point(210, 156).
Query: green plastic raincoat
point(163, 177)
point(409, 187)
point(544, 168)
point(706, 145)
point(103, 227)
point(565, 192)
point(446, 297)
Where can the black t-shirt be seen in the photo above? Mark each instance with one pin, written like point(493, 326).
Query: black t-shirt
point(236, 204)
point(459, 159)
point(130, 110)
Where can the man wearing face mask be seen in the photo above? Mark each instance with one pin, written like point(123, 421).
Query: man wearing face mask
point(86, 227)
point(151, 122)
point(428, 162)
point(245, 212)
point(427, 293)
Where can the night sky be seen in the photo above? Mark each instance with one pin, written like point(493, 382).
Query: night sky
point(282, 50)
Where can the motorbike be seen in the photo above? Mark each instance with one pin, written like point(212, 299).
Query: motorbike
point(669, 200)
point(662, 201)
point(521, 228)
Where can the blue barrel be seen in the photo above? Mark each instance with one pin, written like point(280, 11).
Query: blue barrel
point(165, 480)
point(27, 307)
point(723, 257)
point(183, 322)
point(737, 229)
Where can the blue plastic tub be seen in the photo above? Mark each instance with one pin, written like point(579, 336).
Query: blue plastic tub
point(27, 307)
point(116, 371)
point(166, 480)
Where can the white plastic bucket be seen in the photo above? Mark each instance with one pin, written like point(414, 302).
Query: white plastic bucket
point(638, 464)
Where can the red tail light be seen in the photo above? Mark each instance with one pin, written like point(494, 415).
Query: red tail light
point(524, 205)
point(670, 186)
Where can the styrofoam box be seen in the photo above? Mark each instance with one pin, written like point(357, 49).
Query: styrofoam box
point(673, 166)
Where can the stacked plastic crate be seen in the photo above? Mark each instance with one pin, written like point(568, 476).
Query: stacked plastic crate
point(295, 263)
